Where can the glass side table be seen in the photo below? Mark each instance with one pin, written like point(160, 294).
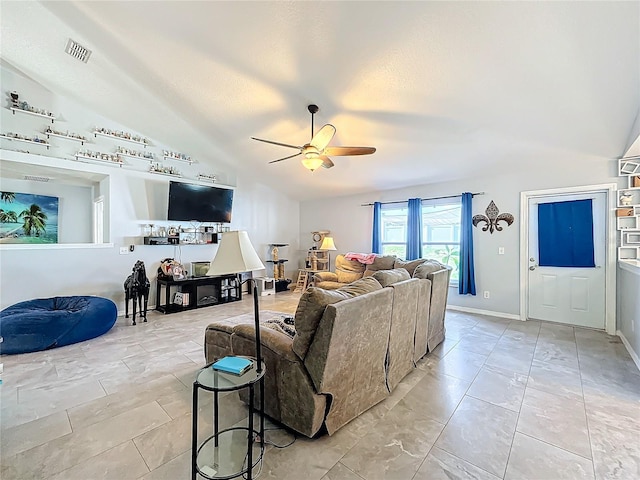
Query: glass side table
point(221, 456)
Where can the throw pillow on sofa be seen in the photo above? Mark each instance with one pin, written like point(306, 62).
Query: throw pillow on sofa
point(427, 267)
point(313, 303)
point(389, 277)
point(384, 262)
point(348, 271)
point(409, 265)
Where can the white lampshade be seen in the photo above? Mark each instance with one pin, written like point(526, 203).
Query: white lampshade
point(327, 244)
point(235, 255)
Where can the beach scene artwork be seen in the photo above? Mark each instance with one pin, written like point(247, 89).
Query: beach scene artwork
point(28, 218)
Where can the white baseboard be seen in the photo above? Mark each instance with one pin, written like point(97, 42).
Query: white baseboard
point(633, 354)
point(490, 313)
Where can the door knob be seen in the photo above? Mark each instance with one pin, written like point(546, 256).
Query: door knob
point(532, 267)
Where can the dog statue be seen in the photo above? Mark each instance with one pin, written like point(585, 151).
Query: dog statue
point(136, 288)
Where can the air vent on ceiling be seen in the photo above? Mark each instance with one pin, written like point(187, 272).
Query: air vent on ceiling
point(77, 51)
point(36, 178)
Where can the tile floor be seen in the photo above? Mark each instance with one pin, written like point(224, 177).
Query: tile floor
point(498, 399)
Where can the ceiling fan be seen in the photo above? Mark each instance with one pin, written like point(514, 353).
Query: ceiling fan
point(316, 152)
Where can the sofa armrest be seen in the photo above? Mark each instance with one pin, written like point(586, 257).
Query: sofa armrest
point(290, 397)
point(325, 277)
point(275, 341)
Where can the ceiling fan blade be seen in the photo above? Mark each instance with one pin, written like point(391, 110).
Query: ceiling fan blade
point(321, 139)
point(326, 161)
point(285, 158)
point(346, 151)
point(276, 143)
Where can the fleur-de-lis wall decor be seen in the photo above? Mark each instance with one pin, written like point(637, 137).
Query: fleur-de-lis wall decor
point(492, 217)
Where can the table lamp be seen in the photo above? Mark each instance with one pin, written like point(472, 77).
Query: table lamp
point(327, 245)
point(237, 255)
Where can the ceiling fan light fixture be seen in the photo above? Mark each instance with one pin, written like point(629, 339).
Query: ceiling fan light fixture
point(316, 153)
point(312, 163)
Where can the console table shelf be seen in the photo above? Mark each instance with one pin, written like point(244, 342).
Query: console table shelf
point(200, 292)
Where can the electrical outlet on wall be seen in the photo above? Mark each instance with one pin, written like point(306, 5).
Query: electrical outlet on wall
point(124, 250)
point(486, 294)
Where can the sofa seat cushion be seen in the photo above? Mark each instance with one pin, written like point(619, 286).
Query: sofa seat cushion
point(409, 265)
point(313, 303)
point(389, 277)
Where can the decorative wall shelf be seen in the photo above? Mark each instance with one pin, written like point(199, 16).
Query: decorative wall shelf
point(108, 161)
point(66, 137)
point(29, 112)
point(133, 139)
point(629, 166)
point(155, 172)
point(206, 177)
point(157, 154)
point(185, 160)
point(180, 157)
point(628, 209)
point(137, 157)
point(134, 154)
point(25, 140)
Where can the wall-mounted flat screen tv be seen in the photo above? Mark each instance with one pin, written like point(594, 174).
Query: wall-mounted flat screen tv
point(189, 202)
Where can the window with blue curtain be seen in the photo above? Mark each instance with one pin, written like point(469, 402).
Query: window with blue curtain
point(414, 229)
point(393, 229)
point(467, 281)
point(437, 233)
point(441, 233)
point(376, 241)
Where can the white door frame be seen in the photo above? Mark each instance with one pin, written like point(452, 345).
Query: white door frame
point(610, 248)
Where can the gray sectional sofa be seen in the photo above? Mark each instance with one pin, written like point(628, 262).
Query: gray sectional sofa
point(352, 345)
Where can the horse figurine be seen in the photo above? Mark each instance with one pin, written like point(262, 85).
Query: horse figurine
point(136, 288)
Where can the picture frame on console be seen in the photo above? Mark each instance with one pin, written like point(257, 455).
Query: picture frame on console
point(178, 272)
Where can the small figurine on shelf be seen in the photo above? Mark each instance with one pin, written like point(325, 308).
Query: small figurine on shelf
point(14, 99)
point(626, 198)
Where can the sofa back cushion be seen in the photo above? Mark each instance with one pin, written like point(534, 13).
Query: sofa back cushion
point(389, 277)
point(348, 270)
point(408, 265)
point(426, 267)
point(313, 303)
point(382, 262)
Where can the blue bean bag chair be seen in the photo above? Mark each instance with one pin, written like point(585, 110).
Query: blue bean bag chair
point(47, 323)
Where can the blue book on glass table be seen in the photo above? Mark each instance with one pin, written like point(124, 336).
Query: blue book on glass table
point(235, 365)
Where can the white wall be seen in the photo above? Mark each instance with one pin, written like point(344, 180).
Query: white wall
point(267, 215)
point(629, 307)
point(350, 223)
point(135, 199)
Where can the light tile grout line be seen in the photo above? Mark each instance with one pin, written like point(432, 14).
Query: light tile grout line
point(584, 405)
point(466, 394)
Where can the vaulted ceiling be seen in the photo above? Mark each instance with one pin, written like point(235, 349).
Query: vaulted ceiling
point(444, 90)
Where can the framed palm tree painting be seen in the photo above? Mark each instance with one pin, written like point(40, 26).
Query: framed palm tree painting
point(28, 218)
